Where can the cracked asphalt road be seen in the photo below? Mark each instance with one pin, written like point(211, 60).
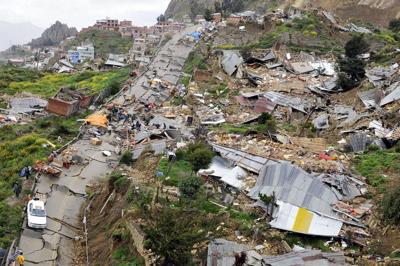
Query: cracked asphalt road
point(66, 194)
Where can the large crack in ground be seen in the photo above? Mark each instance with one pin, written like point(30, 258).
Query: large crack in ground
point(63, 188)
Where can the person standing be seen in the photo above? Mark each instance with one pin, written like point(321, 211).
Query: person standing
point(17, 189)
point(20, 259)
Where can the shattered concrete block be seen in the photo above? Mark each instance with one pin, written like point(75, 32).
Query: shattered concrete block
point(95, 141)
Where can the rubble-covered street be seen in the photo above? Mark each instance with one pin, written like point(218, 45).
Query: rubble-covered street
point(247, 138)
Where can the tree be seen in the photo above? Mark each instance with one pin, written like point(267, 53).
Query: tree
point(218, 7)
point(190, 186)
point(171, 233)
point(207, 14)
point(161, 18)
point(232, 6)
point(391, 206)
point(199, 155)
point(354, 68)
point(394, 25)
point(356, 46)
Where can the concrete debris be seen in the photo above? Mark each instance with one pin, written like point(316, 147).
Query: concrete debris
point(317, 145)
point(301, 67)
point(26, 105)
point(321, 122)
point(156, 147)
point(210, 116)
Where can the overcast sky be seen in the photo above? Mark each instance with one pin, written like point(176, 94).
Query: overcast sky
point(80, 13)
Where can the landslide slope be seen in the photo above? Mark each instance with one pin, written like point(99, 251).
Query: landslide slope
point(374, 11)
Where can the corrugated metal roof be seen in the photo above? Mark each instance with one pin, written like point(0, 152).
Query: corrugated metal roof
point(292, 218)
point(358, 142)
point(393, 96)
point(371, 98)
point(231, 61)
point(283, 100)
point(293, 185)
point(246, 160)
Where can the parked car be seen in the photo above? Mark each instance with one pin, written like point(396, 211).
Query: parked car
point(36, 214)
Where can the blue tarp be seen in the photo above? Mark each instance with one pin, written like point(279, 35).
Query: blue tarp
point(196, 35)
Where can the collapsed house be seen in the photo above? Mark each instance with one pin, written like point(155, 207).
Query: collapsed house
point(67, 102)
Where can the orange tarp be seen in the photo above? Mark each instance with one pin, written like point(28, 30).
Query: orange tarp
point(97, 119)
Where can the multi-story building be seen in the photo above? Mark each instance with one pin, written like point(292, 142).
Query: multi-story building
point(107, 24)
point(81, 54)
point(85, 52)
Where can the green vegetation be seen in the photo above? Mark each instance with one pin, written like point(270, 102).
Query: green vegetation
point(266, 124)
point(198, 154)
point(9, 74)
point(207, 14)
point(20, 146)
point(194, 60)
point(10, 223)
point(49, 84)
point(119, 182)
point(391, 206)
point(376, 165)
point(126, 158)
point(315, 34)
point(394, 25)
point(179, 171)
point(123, 257)
point(356, 46)
point(105, 42)
point(172, 232)
point(351, 68)
point(190, 186)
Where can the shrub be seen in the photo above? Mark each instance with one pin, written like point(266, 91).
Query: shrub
point(126, 158)
point(199, 155)
point(391, 206)
point(266, 123)
point(190, 186)
point(171, 233)
point(356, 46)
point(207, 14)
point(394, 25)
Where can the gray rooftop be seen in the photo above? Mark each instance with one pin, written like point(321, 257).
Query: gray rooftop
point(295, 186)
